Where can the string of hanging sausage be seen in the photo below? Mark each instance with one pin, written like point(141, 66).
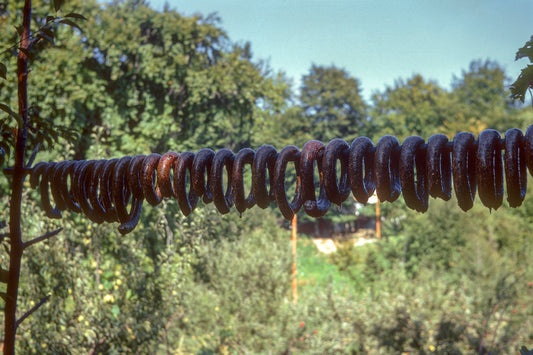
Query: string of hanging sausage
point(114, 190)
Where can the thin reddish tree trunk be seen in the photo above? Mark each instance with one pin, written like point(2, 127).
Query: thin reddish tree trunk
point(15, 235)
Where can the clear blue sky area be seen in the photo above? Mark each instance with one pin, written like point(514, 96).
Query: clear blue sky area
point(376, 41)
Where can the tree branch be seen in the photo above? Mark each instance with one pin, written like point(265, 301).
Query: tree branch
point(33, 309)
point(42, 237)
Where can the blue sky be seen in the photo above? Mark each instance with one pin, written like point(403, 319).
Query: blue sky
point(376, 41)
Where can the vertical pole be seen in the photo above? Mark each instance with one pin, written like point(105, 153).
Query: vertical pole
point(293, 242)
point(378, 221)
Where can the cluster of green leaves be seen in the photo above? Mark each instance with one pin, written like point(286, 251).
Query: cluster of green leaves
point(43, 130)
point(525, 79)
point(449, 282)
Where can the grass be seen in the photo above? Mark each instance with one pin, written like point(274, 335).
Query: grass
point(315, 271)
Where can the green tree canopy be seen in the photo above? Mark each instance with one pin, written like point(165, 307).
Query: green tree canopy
point(480, 99)
point(411, 107)
point(143, 80)
point(331, 104)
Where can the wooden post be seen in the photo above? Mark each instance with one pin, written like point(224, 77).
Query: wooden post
point(293, 242)
point(378, 221)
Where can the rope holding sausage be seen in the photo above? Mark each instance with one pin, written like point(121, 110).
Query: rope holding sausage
point(114, 190)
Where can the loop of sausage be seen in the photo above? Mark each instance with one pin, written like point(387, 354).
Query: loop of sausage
point(243, 157)
point(387, 168)
point(105, 191)
point(361, 169)
point(528, 148)
point(134, 183)
point(464, 169)
point(201, 167)
point(414, 190)
point(51, 212)
point(134, 216)
point(134, 176)
point(164, 180)
point(151, 190)
point(187, 202)
point(337, 149)
point(439, 165)
point(489, 170)
point(94, 172)
point(36, 173)
point(81, 174)
point(288, 154)
point(120, 193)
point(265, 158)
point(515, 167)
point(55, 183)
point(223, 201)
point(313, 151)
point(66, 174)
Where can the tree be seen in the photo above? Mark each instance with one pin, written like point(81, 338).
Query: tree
point(412, 107)
point(110, 88)
point(149, 81)
point(480, 100)
point(331, 104)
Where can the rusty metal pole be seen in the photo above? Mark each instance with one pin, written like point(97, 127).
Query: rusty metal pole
point(378, 220)
point(294, 239)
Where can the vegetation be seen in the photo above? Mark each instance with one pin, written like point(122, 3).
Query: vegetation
point(132, 80)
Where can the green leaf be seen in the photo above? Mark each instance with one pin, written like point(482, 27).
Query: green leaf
point(70, 23)
point(524, 81)
point(47, 138)
point(10, 112)
point(46, 37)
point(75, 15)
point(47, 31)
point(3, 71)
point(58, 4)
point(18, 29)
point(50, 19)
point(115, 310)
point(526, 51)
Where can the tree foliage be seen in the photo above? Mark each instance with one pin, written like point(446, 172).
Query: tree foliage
point(525, 79)
point(133, 80)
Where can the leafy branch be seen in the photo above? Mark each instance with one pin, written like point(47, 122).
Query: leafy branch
point(43, 33)
point(525, 79)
